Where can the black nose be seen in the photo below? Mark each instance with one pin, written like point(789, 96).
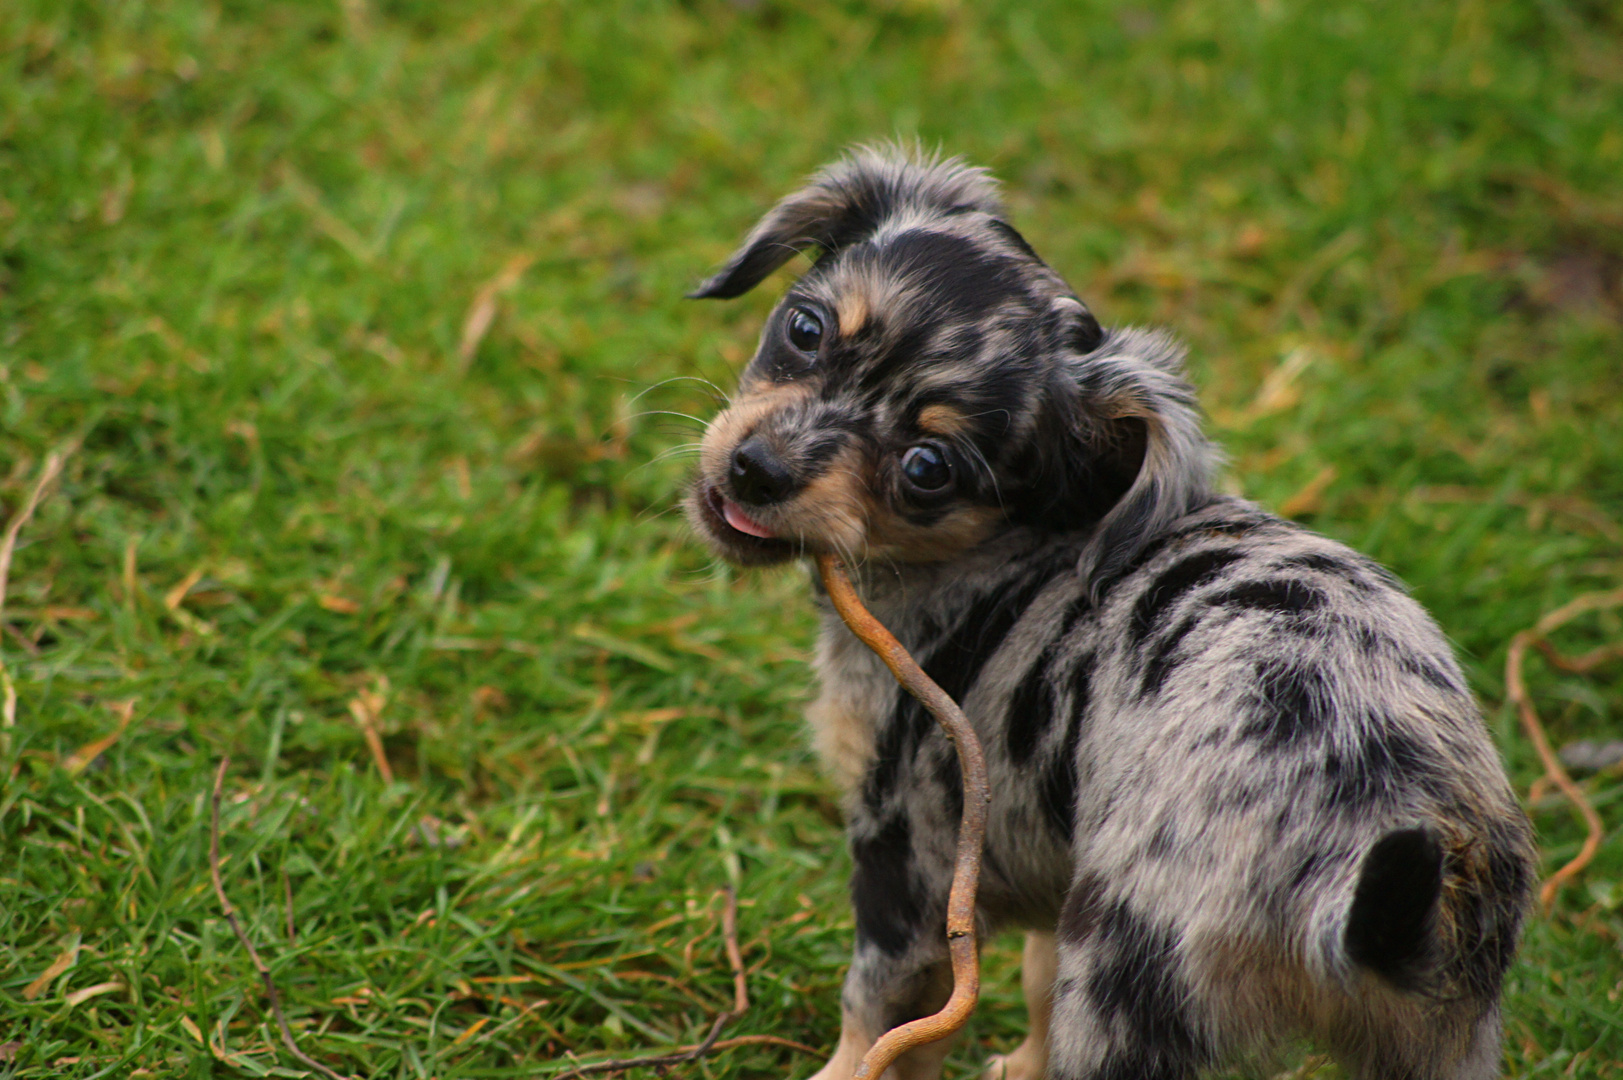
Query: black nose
point(759, 475)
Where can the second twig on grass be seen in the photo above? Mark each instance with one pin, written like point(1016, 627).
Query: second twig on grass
point(1516, 688)
point(741, 1004)
point(253, 954)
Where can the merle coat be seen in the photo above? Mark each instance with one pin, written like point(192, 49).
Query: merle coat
point(1241, 793)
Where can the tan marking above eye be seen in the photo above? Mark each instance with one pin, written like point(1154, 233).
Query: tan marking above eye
point(853, 313)
point(942, 420)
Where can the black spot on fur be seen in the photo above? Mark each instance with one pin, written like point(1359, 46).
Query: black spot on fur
point(1309, 867)
point(1293, 703)
point(1389, 926)
point(873, 373)
point(833, 432)
point(884, 895)
point(1135, 983)
point(949, 777)
point(1279, 597)
point(1165, 840)
point(895, 742)
point(955, 663)
point(1080, 914)
point(1384, 761)
point(1371, 642)
point(841, 207)
point(1431, 672)
point(1227, 797)
point(1160, 664)
point(1351, 571)
point(961, 277)
point(1317, 560)
point(1057, 792)
point(1031, 706)
point(1102, 585)
point(1174, 582)
point(1144, 1063)
point(1031, 710)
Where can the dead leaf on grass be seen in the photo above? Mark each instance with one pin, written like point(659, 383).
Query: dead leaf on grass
point(367, 707)
point(81, 996)
point(64, 960)
point(339, 605)
point(482, 312)
point(76, 762)
point(1310, 498)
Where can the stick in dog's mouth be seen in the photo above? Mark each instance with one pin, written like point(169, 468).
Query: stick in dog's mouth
point(966, 973)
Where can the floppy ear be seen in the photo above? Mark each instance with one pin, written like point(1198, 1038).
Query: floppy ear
point(845, 203)
point(1140, 427)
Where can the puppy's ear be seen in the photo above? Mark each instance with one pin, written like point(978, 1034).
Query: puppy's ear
point(1138, 376)
point(1142, 444)
point(844, 204)
point(1081, 457)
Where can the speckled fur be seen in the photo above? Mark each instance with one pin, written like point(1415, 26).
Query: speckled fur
point(1206, 727)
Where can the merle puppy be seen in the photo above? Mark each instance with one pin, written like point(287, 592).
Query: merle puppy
point(1241, 793)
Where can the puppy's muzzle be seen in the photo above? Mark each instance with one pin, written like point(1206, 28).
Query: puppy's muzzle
point(758, 476)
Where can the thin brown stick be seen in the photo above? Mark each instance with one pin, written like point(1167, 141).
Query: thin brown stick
point(766, 1040)
point(287, 906)
point(676, 1058)
point(253, 954)
point(367, 707)
point(741, 1004)
point(1516, 687)
point(48, 473)
point(1582, 664)
point(961, 945)
point(51, 470)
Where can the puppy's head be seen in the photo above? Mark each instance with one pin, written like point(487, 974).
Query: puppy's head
point(930, 382)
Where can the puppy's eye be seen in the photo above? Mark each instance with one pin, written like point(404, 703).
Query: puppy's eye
point(805, 330)
point(927, 469)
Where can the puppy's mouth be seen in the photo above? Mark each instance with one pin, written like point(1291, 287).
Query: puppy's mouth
point(743, 538)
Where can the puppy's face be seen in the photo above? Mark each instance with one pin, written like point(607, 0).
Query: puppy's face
point(913, 393)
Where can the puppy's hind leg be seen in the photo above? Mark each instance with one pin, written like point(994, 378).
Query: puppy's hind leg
point(882, 992)
point(1029, 1060)
point(1123, 1006)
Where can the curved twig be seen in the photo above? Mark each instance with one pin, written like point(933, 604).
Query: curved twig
point(253, 954)
point(966, 973)
point(741, 1004)
point(1516, 688)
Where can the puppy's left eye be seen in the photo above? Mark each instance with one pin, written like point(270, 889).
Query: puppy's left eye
point(927, 469)
point(805, 330)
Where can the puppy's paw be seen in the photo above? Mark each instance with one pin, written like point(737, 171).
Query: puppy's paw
point(835, 1069)
point(1026, 1062)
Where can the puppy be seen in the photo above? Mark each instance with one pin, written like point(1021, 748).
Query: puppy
point(1241, 793)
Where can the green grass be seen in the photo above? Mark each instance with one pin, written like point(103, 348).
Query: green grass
point(238, 247)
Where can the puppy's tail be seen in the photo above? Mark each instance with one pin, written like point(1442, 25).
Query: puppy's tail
point(1439, 922)
point(1391, 926)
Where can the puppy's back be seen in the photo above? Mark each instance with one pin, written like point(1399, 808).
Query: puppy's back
point(1282, 765)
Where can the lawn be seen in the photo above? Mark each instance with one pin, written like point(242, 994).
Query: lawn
point(359, 327)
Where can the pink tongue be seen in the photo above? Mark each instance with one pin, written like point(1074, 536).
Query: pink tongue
point(737, 519)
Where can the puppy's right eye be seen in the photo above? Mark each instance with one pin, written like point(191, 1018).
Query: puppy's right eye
point(805, 330)
point(927, 469)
